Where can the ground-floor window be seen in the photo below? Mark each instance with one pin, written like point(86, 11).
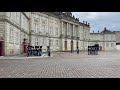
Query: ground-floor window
point(44, 42)
point(107, 44)
point(56, 42)
point(112, 44)
point(36, 41)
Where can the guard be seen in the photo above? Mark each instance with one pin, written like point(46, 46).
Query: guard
point(90, 51)
point(40, 50)
point(48, 50)
point(97, 50)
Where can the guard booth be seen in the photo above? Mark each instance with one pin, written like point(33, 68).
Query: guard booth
point(2, 47)
point(25, 44)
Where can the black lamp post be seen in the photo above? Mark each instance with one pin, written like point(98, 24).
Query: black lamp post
point(49, 47)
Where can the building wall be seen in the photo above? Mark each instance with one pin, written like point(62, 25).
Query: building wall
point(106, 41)
point(16, 28)
point(30, 25)
point(117, 33)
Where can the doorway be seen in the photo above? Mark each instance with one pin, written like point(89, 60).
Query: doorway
point(71, 46)
point(65, 45)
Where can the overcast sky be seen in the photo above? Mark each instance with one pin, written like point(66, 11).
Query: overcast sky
point(99, 20)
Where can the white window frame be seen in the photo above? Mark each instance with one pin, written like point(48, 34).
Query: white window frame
point(44, 42)
point(107, 44)
point(57, 31)
point(43, 26)
point(36, 41)
point(112, 44)
point(17, 37)
point(11, 40)
point(51, 31)
point(36, 27)
point(51, 42)
point(57, 43)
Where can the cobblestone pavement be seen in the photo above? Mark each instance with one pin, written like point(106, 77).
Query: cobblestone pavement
point(64, 65)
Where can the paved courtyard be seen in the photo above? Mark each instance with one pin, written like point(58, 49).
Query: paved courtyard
point(63, 65)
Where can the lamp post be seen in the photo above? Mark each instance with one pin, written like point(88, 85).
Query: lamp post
point(49, 47)
point(88, 42)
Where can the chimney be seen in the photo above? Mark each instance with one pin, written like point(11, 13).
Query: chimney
point(86, 22)
point(93, 31)
point(98, 31)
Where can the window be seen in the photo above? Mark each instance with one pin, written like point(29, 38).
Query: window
point(44, 18)
point(36, 17)
point(36, 27)
point(112, 44)
point(36, 41)
point(11, 35)
point(51, 31)
point(17, 37)
point(56, 31)
point(107, 44)
point(18, 17)
point(56, 42)
point(43, 26)
point(75, 32)
point(44, 41)
point(51, 42)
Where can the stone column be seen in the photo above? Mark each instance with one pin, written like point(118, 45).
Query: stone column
point(73, 30)
point(62, 28)
point(67, 29)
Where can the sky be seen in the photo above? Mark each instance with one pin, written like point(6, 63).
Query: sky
point(99, 20)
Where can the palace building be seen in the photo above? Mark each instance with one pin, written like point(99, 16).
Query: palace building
point(105, 39)
point(59, 30)
point(62, 31)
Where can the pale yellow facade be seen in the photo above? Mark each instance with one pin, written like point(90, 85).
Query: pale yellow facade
point(42, 29)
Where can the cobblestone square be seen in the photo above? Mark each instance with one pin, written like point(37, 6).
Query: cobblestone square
point(63, 65)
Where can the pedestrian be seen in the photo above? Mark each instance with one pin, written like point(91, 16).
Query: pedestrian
point(77, 50)
point(88, 50)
